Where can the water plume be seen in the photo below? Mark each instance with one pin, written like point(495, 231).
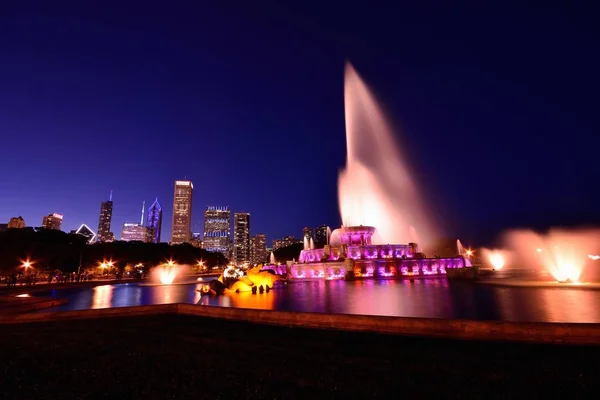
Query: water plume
point(496, 258)
point(563, 253)
point(375, 188)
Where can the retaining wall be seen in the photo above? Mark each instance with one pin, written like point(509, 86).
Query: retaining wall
point(533, 332)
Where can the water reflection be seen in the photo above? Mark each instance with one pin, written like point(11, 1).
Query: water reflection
point(102, 296)
point(433, 297)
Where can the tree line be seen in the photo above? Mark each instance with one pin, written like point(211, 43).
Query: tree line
point(52, 250)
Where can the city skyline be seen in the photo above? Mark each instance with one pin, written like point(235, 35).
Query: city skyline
point(468, 119)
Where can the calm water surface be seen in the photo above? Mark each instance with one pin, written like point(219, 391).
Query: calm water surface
point(433, 297)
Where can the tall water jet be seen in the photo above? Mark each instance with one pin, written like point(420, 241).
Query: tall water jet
point(272, 258)
point(311, 243)
point(375, 188)
point(328, 233)
point(306, 244)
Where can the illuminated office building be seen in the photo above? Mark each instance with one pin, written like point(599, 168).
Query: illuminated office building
point(16, 223)
point(217, 230)
point(241, 237)
point(182, 213)
point(106, 210)
point(154, 221)
point(52, 221)
point(135, 232)
point(258, 248)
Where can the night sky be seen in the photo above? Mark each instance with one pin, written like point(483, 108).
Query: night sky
point(496, 107)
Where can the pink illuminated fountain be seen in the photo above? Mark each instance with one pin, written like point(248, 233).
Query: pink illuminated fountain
point(563, 253)
point(375, 188)
point(379, 204)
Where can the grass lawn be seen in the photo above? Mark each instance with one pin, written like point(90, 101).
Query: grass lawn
point(185, 357)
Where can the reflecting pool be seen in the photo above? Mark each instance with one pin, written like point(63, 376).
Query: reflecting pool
point(430, 297)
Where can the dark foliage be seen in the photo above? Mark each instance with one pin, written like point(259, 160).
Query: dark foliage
point(288, 253)
point(56, 250)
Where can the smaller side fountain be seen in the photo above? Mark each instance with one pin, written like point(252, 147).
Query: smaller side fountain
point(165, 274)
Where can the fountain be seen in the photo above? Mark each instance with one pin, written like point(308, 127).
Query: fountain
point(496, 258)
point(236, 280)
point(167, 273)
point(272, 258)
point(375, 188)
point(459, 248)
point(379, 205)
point(311, 244)
point(563, 253)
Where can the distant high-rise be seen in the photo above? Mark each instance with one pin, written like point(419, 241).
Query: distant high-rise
point(52, 221)
point(286, 241)
point(16, 222)
point(154, 221)
point(135, 232)
point(197, 240)
point(241, 237)
point(217, 230)
point(106, 210)
point(258, 248)
point(182, 213)
point(320, 236)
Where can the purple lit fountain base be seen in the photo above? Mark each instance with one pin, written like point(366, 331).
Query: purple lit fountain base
point(376, 268)
point(352, 255)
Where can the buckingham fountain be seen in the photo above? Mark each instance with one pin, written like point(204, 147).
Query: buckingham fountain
point(382, 213)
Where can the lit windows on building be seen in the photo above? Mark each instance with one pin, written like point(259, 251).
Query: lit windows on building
point(135, 232)
point(52, 221)
point(182, 212)
point(241, 237)
point(217, 230)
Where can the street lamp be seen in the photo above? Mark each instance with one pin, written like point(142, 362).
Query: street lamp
point(469, 253)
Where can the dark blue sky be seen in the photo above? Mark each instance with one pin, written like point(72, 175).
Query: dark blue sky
point(498, 109)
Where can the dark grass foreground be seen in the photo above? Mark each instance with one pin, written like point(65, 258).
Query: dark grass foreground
point(184, 357)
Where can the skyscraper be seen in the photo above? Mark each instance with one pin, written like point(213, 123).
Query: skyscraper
point(241, 237)
point(106, 209)
point(258, 248)
point(181, 229)
point(217, 230)
point(154, 221)
point(52, 221)
point(320, 236)
point(135, 232)
point(17, 222)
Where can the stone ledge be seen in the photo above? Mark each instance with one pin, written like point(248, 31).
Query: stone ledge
point(531, 332)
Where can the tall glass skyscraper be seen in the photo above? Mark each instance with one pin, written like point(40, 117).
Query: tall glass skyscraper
point(217, 230)
point(181, 229)
point(106, 209)
point(154, 221)
point(241, 237)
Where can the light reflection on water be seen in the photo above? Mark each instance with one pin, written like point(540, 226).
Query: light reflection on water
point(433, 297)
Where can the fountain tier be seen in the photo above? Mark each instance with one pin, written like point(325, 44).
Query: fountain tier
point(351, 254)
